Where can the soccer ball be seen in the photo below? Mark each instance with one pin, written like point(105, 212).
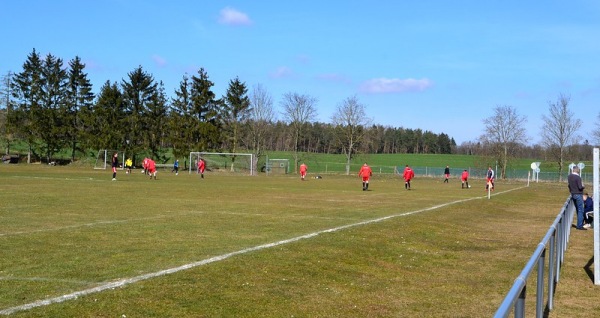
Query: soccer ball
point(469, 186)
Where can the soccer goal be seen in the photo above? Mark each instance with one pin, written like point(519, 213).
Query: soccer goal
point(277, 166)
point(223, 162)
point(104, 159)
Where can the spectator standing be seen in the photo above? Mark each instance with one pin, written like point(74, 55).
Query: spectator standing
point(576, 189)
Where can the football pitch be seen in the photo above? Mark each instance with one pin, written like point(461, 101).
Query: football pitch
point(76, 244)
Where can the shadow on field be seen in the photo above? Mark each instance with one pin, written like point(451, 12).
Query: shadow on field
point(588, 269)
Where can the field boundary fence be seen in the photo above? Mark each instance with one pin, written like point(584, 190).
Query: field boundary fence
point(552, 247)
point(435, 172)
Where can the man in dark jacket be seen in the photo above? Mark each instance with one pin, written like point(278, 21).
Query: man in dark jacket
point(576, 189)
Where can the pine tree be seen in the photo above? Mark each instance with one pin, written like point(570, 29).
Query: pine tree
point(51, 120)
point(156, 120)
point(205, 110)
point(106, 122)
point(27, 92)
point(138, 93)
point(6, 102)
point(78, 104)
point(181, 119)
point(236, 110)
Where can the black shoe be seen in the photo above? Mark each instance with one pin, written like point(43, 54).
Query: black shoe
point(581, 228)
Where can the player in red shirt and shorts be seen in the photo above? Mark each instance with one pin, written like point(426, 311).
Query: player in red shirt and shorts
point(151, 168)
point(201, 167)
point(366, 173)
point(408, 175)
point(464, 177)
point(303, 169)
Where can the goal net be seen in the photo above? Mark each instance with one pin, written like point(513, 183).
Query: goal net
point(104, 159)
point(223, 162)
point(278, 166)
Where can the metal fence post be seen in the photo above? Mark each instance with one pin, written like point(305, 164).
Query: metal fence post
point(520, 304)
point(539, 302)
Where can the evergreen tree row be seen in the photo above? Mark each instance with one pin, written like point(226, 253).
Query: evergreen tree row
point(52, 108)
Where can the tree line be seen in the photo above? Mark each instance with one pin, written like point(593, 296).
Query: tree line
point(505, 137)
point(52, 108)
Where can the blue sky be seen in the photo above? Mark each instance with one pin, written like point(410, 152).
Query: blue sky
point(440, 66)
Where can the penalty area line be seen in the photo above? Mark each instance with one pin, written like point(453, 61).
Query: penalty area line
point(128, 281)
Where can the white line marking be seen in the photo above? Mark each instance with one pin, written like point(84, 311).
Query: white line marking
point(127, 281)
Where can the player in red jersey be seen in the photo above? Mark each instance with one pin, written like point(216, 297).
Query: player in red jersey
point(408, 175)
point(151, 168)
point(365, 172)
point(303, 170)
point(464, 177)
point(201, 167)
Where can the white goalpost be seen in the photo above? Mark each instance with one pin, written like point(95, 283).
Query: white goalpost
point(104, 159)
point(223, 162)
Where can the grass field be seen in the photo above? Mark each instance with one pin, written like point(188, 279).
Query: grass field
point(240, 246)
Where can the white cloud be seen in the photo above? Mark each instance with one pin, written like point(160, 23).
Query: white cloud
point(231, 16)
point(159, 60)
point(282, 72)
point(395, 85)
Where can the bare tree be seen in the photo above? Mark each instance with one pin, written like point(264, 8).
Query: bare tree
point(262, 115)
point(6, 103)
point(559, 130)
point(504, 133)
point(596, 132)
point(298, 110)
point(350, 121)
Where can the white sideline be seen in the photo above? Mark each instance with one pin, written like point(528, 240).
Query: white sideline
point(127, 281)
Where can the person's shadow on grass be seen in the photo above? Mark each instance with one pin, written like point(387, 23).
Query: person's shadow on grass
point(588, 269)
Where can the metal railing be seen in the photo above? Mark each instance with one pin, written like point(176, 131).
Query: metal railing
point(553, 247)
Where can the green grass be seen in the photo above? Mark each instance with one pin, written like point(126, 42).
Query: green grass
point(67, 229)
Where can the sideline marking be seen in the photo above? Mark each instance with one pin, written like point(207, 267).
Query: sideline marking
point(127, 281)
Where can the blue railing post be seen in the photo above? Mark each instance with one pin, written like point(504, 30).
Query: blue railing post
point(539, 302)
point(554, 242)
point(551, 273)
point(520, 304)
